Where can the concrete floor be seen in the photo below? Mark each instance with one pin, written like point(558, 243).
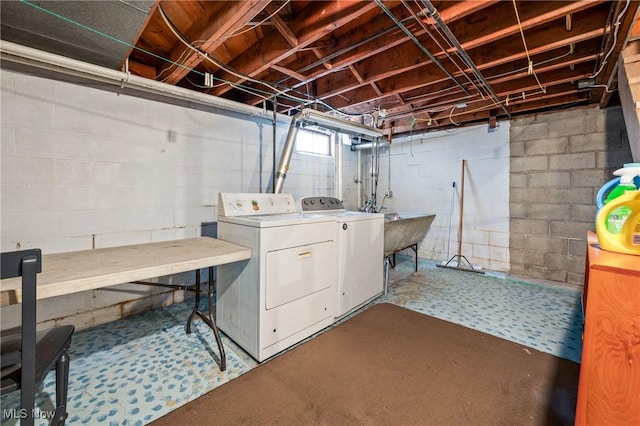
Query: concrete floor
point(137, 369)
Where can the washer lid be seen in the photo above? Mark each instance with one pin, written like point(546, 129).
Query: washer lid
point(352, 216)
point(347, 216)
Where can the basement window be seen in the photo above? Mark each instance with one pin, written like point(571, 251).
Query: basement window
point(314, 142)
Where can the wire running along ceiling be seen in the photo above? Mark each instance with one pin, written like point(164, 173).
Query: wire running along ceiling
point(407, 66)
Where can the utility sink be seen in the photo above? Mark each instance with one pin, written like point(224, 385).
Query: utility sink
point(404, 230)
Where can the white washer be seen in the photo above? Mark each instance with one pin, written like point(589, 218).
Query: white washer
point(285, 292)
point(359, 253)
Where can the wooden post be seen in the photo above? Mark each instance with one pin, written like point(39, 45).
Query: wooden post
point(464, 162)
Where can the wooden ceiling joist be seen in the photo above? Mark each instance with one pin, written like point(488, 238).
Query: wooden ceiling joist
point(211, 32)
point(352, 56)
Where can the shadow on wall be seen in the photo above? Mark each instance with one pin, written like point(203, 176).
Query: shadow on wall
point(618, 148)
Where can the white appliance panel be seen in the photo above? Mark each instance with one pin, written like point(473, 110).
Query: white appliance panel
point(237, 289)
point(242, 204)
point(293, 322)
point(360, 266)
point(359, 253)
point(302, 233)
point(297, 272)
point(298, 308)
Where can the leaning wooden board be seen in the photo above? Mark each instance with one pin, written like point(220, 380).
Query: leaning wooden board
point(72, 272)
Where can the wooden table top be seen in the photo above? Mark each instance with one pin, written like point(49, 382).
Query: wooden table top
point(76, 271)
point(606, 260)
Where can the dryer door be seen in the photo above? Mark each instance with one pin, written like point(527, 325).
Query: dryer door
point(296, 272)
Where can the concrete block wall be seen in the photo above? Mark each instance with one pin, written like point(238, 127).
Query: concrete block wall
point(559, 161)
point(420, 170)
point(83, 168)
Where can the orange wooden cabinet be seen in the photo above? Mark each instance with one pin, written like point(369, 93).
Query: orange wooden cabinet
point(609, 388)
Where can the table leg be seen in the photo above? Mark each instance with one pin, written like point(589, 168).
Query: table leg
point(208, 317)
point(196, 307)
point(387, 262)
point(212, 321)
point(415, 250)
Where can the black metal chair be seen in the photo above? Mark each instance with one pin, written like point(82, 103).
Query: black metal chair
point(27, 356)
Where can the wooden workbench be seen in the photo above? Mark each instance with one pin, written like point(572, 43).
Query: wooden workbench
point(72, 272)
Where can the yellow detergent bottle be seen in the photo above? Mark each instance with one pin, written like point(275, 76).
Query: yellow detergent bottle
point(627, 240)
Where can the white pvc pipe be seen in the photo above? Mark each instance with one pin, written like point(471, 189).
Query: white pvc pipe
point(359, 179)
point(44, 60)
point(337, 185)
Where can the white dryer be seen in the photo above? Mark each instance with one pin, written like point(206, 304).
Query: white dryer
point(359, 253)
point(285, 292)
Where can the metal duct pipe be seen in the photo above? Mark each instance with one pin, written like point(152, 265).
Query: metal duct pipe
point(320, 119)
point(274, 141)
point(287, 150)
point(366, 145)
point(330, 122)
point(433, 13)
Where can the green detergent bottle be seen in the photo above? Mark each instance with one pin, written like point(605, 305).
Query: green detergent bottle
point(617, 217)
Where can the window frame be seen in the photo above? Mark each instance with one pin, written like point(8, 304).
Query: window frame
point(329, 135)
